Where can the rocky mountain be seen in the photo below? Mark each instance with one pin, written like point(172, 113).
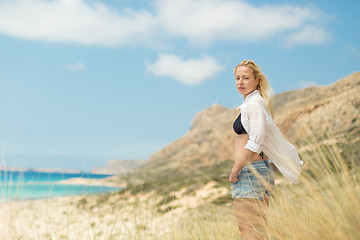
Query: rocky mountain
point(118, 166)
point(209, 141)
point(307, 117)
point(322, 116)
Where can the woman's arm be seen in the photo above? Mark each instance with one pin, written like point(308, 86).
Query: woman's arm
point(242, 158)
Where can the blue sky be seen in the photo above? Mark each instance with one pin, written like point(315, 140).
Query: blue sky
point(83, 81)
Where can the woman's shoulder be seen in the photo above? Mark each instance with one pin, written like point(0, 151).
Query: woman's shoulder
point(256, 100)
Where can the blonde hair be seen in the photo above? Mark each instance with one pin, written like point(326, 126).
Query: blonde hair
point(263, 87)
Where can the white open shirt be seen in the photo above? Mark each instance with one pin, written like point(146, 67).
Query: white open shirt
point(264, 136)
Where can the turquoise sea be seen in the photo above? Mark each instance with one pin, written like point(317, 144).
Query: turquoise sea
point(15, 185)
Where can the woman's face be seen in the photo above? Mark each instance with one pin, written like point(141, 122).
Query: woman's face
point(245, 80)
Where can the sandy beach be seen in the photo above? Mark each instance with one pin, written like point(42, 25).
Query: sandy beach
point(77, 217)
point(112, 216)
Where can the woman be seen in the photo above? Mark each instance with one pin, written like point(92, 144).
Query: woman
point(258, 139)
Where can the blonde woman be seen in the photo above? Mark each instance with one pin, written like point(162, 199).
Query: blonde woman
point(258, 140)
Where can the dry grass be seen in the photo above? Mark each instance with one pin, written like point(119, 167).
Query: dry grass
point(207, 222)
point(324, 205)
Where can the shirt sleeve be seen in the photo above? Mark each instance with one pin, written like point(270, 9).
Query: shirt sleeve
point(257, 127)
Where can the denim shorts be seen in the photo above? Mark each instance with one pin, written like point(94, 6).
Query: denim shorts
point(249, 185)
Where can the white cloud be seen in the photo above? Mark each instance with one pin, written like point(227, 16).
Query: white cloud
point(73, 21)
point(307, 35)
point(205, 21)
point(201, 22)
point(79, 66)
point(190, 71)
point(305, 84)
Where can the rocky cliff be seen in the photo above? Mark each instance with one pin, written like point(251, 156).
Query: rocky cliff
point(209, 141)
point(322, 115)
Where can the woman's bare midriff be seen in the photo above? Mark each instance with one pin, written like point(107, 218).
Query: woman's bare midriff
point(240, 143)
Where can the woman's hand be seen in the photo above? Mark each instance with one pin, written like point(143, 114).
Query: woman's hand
point(233, 178)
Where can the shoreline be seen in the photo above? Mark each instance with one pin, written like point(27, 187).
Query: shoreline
point(77, 181)
point(89, 182)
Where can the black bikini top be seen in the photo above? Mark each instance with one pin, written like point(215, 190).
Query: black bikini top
point(238, 127)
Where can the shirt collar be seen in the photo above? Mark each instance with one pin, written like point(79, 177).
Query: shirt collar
point(255, 92)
